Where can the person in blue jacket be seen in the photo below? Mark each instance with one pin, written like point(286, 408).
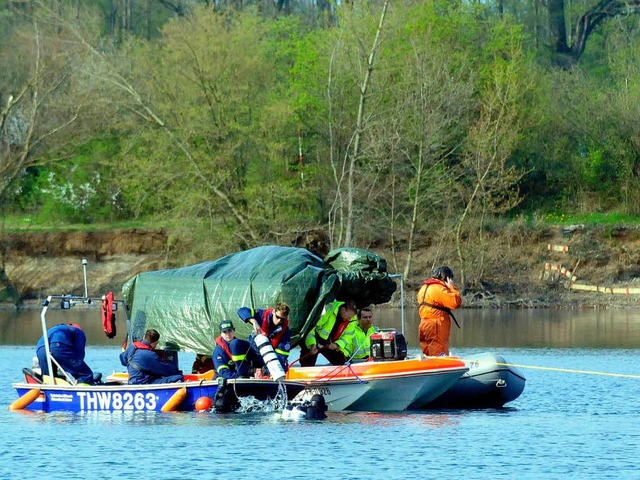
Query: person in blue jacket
point(232, 357)
point(272, 323)
point(67, 344)
point(144, 362)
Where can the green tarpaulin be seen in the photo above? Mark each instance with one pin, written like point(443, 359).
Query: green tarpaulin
point(186, 304)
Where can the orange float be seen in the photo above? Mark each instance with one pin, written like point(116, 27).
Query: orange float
point(25, 400)
point(175, 400)
point(203, 404)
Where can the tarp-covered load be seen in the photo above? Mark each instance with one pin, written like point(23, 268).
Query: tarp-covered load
point(186, 304)
point(363, 275)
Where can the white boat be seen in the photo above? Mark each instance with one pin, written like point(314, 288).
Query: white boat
point(378, 385)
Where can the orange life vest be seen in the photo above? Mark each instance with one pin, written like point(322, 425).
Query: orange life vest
point(223, 345)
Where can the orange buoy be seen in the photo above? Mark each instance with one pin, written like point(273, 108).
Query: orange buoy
point(25, 400)
point(175, 400)
point(203, 404)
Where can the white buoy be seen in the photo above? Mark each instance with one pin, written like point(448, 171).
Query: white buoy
point(270, 358)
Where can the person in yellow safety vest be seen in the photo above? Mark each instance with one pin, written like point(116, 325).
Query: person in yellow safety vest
point(322, 338)
point(357, 347)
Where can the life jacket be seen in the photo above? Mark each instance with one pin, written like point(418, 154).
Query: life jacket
point(432, 281)
point(138, 345)
point(222, 344)
point(108, 316)
point(278, 333)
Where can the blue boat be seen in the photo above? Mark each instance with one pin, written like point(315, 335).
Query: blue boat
point(181, 396)
point(44, 393)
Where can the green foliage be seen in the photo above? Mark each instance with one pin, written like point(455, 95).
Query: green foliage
point(614, 218)
point(84, 190)
point(198, 120)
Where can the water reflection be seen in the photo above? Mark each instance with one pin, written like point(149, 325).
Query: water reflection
point(428, 419)
point(24, 327)
point(534, 328)
point(486, 328)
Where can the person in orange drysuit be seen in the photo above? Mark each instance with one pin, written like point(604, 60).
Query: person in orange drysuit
point(436, 298)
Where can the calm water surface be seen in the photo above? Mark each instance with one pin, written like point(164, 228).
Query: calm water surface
point(572, 421)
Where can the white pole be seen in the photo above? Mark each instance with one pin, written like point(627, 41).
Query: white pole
point(399, 275)
point(45, 336)
point(84, 267)
point(70, 379)
point(402, 301)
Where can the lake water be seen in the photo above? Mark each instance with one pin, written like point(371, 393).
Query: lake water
point(575, 419)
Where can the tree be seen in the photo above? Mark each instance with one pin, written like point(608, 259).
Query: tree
point(591, 19)
point(490, 182)
point(349, 51)
point(43, 109)
point(194, 126)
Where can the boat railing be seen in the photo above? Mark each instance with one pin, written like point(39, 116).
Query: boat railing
point(67, 302)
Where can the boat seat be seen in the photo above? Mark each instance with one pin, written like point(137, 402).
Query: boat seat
point(58, 380)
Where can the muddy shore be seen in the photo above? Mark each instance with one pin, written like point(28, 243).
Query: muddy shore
point(532, 269)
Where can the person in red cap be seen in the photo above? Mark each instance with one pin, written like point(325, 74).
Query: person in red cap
point(67, 346)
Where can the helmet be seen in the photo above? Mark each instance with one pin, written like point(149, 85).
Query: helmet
point(442, 273)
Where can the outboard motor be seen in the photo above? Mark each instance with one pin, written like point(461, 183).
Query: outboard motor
point(270, 358)
point(225, 399)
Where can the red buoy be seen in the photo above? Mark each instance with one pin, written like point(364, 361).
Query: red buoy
point(203, 404)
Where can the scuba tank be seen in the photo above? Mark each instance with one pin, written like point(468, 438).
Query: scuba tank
point(269, 356)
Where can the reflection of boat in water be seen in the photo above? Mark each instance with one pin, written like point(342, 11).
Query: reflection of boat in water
point(379, 385)
point(490, 382)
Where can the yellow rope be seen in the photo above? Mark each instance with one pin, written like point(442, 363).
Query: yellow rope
point(553, 369)
point(570, 370)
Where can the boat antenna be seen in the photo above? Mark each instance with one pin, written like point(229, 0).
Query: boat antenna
point(400, 276)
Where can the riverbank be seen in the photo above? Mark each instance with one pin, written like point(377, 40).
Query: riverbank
point(524, 268)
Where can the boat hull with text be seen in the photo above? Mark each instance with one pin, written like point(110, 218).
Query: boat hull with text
point(118, 396)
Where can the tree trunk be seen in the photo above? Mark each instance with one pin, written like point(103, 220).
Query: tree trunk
point(414, 214)
point(359, 130)
point(587, 23)
point(557, 26)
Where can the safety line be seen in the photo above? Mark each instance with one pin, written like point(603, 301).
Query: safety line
point(569, 370)
point(553, 369)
